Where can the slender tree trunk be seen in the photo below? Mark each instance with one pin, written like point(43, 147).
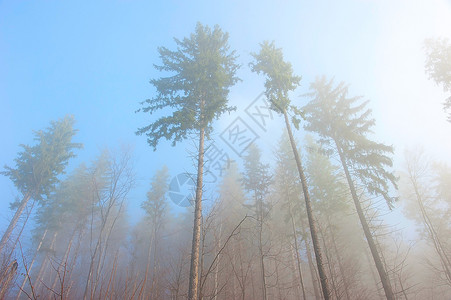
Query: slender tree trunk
point(311, 221)
point(39, 279)
point(7, 278)
point(243, 278)
point(104, 247)
point(298, 259)
point(7, 271)
point(75, 255)
point(91, 268)
point(373, 275)
point(260, 246)
point(28, 213)
point(340, 265)
point(216, 282)
point(329, 264)
point(262, 265)
point(444, 259)
point(89, 284)
point(194, 267)
point(22, 286)
point(14, 221)
point(112, 276)
point(313, 272)
point(64, 260)
point(293, 273)
point(366, 229)
point(200, 291)
point(154, 290)
point(142, 293)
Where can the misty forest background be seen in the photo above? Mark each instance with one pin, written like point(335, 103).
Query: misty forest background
point(315, 206)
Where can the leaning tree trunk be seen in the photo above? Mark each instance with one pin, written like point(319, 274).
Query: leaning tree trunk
point(14, 221)
point(7, 278)
point(308, 206)
point(366, 229)
point(25, 279)
point(16, 241)
point(194, 268)
point(63, 264)
point(340, 264)
point(45, 261)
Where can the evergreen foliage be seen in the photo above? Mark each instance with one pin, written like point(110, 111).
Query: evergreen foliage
point(201, 71)
point(38, 167)
point(344, 124)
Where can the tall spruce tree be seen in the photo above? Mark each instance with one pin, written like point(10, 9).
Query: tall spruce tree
point(280, 80)
point(38, 167)
point(202, 71)
point(344, 125)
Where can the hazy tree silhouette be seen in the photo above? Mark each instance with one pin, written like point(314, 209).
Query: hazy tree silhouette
point(202, 71)
point(280, 80)
point(438, 66)
point(37, 167)
point(344, 125)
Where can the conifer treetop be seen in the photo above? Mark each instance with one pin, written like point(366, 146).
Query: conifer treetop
point(195, 91)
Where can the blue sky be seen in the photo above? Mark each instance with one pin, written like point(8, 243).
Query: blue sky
point(93, 59)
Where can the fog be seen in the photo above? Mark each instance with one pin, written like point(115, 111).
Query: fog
point(258, 150)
